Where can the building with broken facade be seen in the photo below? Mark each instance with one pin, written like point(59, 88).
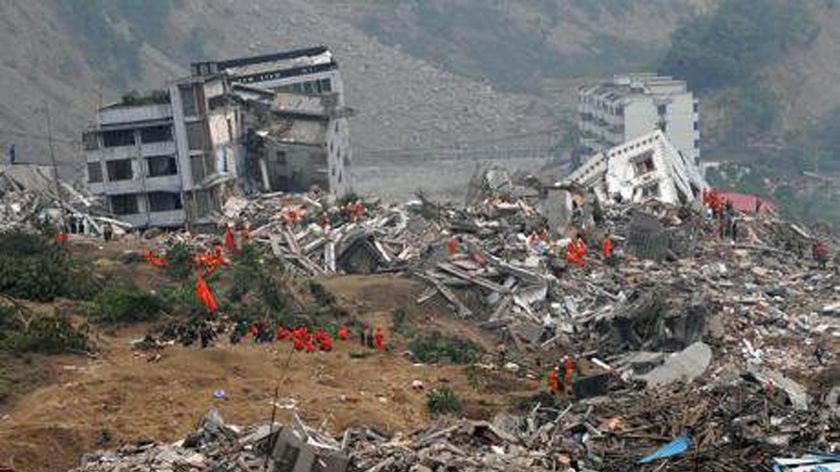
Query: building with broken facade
point(268, 123)
point(632, 105)
point(648, 167)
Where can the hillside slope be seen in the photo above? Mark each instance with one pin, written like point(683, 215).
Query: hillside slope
point(461, 78)
point(78, 55)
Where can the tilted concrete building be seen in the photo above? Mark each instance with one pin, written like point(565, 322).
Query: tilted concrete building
point(646, 167)
point(632, 105)
point(173, 158)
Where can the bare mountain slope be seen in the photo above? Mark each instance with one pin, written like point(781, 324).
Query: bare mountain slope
point(76, 55)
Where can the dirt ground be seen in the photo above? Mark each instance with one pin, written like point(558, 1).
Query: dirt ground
point(123, 396)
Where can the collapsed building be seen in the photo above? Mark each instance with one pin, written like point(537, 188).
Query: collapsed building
point(31, 195)
point(259, 124)
point(648, 167)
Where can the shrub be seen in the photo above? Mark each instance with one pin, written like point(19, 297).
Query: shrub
point(443, 401)
point(434, 347)
point(181, 299)
point(256, 286)
point(179, 260)
point(48, 335)
point(323, 297)
point(124, 302)
point(105, 437)
point(399, 320)
point(33, 268)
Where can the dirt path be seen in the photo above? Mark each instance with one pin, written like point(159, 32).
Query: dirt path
point(126, 397)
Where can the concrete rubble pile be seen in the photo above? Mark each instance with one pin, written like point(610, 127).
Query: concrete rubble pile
point(726, 423)
point(320, 237)
point(217, 446)
point(28, 197)
point(692, 351)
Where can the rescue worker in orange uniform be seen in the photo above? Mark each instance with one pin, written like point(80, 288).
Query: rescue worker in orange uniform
point(553, 381)
point(324, 220)
point(379, 340)
point(452, 246)
point(229, 242)
point(356, 211)
point(607, 248)
point(571, 253)
point(282, 333)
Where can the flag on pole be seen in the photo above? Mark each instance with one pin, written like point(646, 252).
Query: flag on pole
point(203, 294)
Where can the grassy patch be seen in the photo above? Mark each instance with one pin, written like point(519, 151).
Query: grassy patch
point(124, 302)
point(33, 267)
point(47, 335)
point(19, 374)
point(443, 401)
point(435, 347)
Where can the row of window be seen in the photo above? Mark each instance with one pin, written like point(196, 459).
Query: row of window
point(128, 137)
point(310, 87)
point(158, 166)
point(616, 110)
point(129, 204)
point(121, 169)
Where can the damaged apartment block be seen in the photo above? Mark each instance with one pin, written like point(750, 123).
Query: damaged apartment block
point(648, 167)
point(269, 123)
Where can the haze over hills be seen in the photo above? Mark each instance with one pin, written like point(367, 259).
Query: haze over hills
point(447, 81)
point(459, 78)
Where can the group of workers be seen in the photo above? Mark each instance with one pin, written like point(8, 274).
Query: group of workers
point(553, 377)
point(576, 252)
point(723, 211)
point(353, 212)
point(304, 340)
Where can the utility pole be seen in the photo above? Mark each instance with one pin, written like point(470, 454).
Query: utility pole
point(55, 167)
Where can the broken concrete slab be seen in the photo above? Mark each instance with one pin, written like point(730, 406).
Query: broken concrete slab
point(683, 366)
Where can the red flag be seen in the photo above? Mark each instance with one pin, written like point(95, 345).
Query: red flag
point(202, 292)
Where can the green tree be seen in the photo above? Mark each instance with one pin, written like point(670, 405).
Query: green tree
point(729, 46)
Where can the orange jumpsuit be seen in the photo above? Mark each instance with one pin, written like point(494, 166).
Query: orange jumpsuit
point(553, 382)
point(379, 340)
point(452, 246)
point(229, 244)
point(607, 248)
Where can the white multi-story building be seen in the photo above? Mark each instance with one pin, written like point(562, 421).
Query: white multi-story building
point(168, 159)
point(633, 105)
point(174, 158)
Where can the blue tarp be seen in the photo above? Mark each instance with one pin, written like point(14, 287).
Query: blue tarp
point(673, 448)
